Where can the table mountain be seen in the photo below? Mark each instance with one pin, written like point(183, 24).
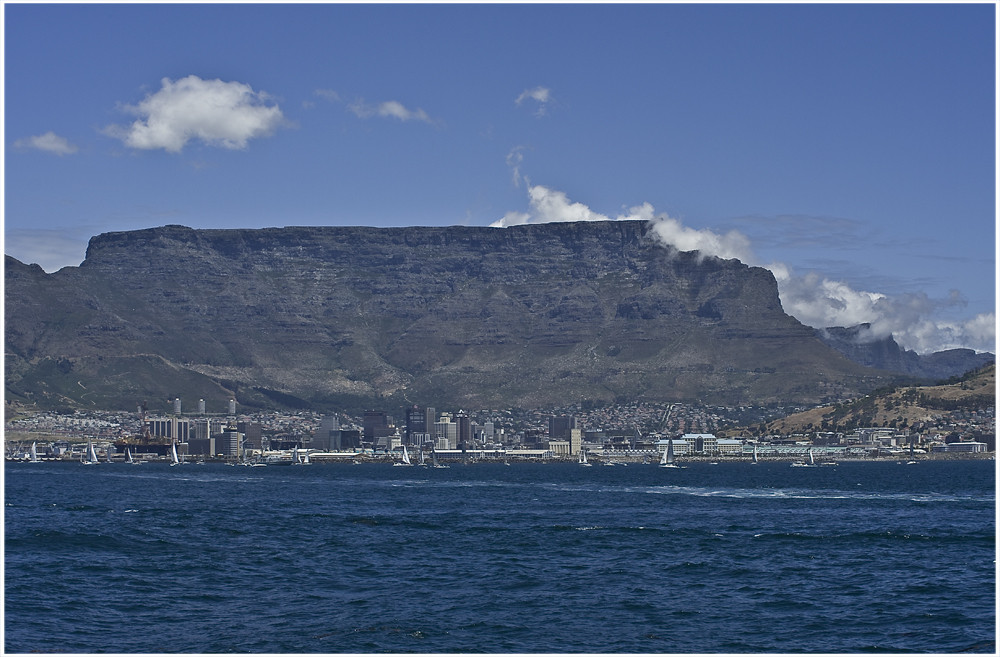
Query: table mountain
point(470, 317)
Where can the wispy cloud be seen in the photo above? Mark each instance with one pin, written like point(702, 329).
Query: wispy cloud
point(50, 142)
point(914, 320)
point(540, 95)
point(514, 159)
point(389, 109)
point(226, 114)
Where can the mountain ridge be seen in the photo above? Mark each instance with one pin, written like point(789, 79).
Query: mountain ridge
point(468, 316)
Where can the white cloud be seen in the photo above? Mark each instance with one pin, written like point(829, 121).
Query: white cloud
point(912, 319)
point(541, 95)
point(226, 114)
point(389, 109)
point(50, 142)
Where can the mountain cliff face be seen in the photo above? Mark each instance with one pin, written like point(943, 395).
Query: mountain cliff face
point(474, 317)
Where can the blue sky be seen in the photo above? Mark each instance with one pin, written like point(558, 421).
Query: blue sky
point(849, 148)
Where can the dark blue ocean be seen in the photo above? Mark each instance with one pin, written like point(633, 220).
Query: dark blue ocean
point(861, 557)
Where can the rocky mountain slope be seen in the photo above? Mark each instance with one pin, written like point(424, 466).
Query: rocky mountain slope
point(452, 316)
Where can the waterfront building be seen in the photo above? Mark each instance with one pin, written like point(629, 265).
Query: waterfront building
point(169, 427)
point(682, 447)
point(704, 443)
point(559, 448)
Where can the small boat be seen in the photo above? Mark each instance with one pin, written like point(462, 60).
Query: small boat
point(33, 455)
point(667, 461)
point(434, 461)
point(754, 461)
point(129, 459)
point(583, 458)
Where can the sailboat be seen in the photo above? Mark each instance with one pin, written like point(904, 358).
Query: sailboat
point(173, 455)
point(406, 458)
point(667, 461)
point(305, 459)
point(754, 461)
point(91, 454)
point(583, 458)
point(129, 459)
point(803, 464)
point(33, 454)
point(434, 461)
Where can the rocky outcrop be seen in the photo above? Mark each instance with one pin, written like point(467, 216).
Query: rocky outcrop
point(449, 316)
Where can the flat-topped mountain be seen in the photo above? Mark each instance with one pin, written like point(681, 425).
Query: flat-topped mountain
point(470, 317)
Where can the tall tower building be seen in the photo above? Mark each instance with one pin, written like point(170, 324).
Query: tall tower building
point(464, 430)
point(416, 423)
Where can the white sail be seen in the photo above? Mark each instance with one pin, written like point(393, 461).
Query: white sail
point(173, 454)
point(754, 453)
point(668, 456)
point(583, 457)
point(91, 453)
point(34, 453)
point(811, 461)
point(406, 456)
point(128, 455)
point(305, 459)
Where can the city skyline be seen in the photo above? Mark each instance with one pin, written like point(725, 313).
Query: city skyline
point(849, 149)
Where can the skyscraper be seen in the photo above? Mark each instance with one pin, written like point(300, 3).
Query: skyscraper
point(416, 423)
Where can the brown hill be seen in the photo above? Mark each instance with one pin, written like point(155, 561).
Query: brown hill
point(899, 407)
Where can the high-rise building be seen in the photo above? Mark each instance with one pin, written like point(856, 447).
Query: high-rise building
point(416, 423)
point(430, 418)
point(560, 427)
point(377, 425)
point(464, 430)
point(446, 432)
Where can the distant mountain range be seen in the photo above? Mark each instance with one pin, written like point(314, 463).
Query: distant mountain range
point(886, 354)
point(453, 317)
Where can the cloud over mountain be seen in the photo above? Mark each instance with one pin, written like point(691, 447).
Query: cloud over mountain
point(914, 320)
point(226, 114)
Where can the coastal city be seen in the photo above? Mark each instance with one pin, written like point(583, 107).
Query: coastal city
point(621, 433)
